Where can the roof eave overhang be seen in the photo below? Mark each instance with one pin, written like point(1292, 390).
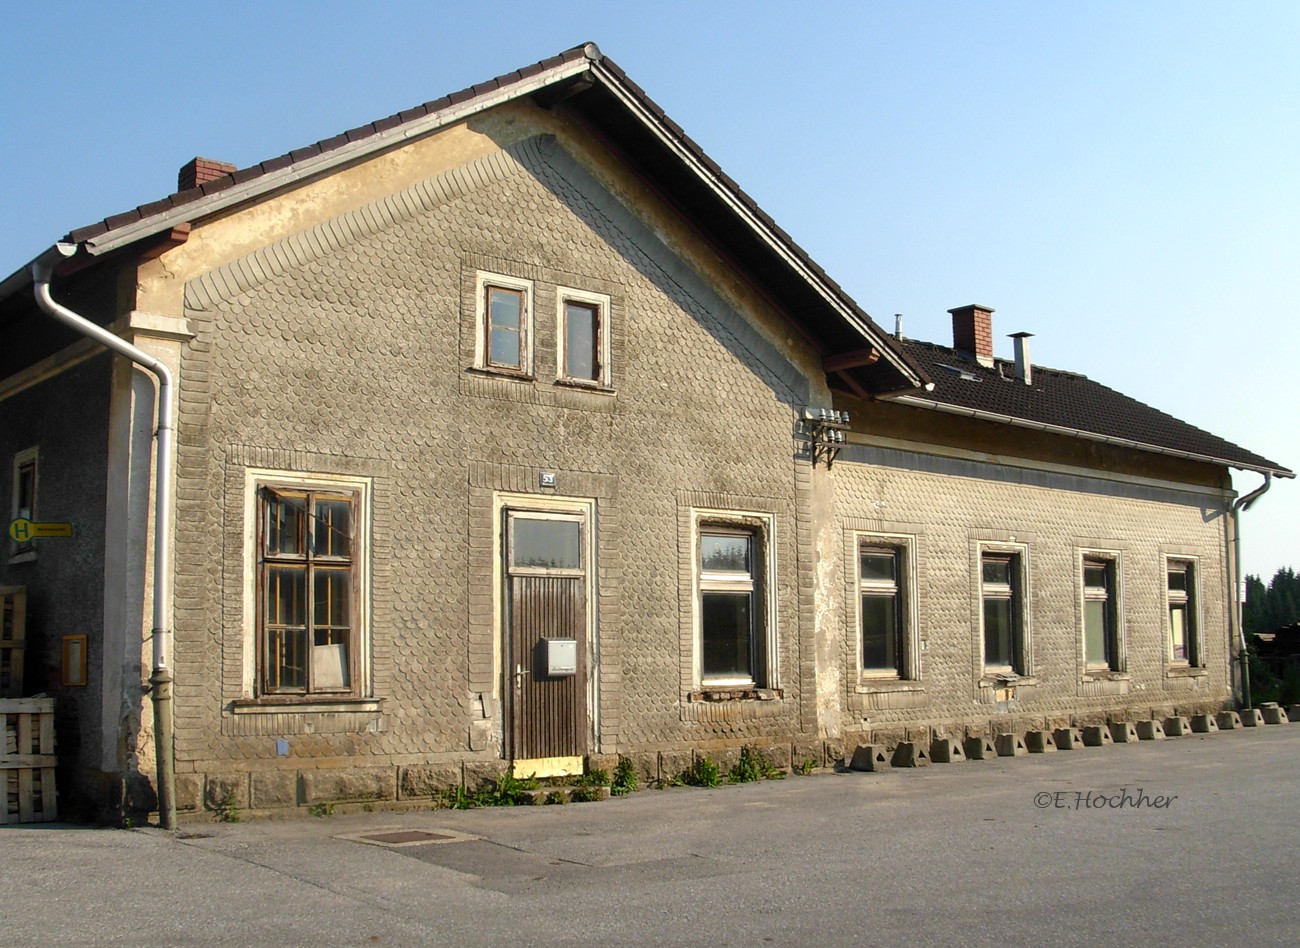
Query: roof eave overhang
point(928, 404)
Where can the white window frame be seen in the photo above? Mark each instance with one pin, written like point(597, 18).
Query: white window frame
point(254, 480)
point(1018, 594)
point(762, 528)
point(601, 302)
point(1110, 560)
point(1191, 567)
point(24, 552)
point(906, 604)
point(482, 342)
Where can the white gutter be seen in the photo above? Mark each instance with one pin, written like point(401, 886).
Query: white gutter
point(913, 401)
point(1234, 524)
point(42, 269)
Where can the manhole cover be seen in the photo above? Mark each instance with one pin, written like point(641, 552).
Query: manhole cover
point(406, 836)
point(398, 836)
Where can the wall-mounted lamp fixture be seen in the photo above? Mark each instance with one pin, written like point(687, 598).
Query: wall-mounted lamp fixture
point(823, 431)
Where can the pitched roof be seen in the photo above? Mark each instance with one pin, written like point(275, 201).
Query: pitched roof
point(1067, 403)
point(598, 93)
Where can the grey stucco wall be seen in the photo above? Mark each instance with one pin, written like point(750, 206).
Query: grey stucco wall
point(347, 352)
point(951, 506)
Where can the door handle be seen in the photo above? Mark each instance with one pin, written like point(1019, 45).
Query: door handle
point(520, 672)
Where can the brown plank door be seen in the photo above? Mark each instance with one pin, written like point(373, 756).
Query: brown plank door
point(546, 599)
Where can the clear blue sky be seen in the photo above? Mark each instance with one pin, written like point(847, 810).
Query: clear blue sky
point(1119, 178)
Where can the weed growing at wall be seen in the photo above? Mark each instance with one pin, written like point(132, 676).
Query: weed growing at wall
point(754, 765)
point(624, 781)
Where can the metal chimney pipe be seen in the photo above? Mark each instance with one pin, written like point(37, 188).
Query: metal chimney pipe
point(1024, 371)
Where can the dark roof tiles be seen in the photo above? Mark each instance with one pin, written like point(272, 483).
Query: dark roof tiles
point(1067, 400)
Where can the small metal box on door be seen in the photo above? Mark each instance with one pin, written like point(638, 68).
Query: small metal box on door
point(561, 657)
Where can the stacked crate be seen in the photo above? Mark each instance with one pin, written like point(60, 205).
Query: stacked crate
point(13, 622)
point(29, 760)
point(27, 757)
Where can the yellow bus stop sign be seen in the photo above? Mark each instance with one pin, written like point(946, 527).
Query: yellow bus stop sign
point(23, 530)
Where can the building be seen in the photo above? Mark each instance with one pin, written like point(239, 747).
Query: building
point(509, 429)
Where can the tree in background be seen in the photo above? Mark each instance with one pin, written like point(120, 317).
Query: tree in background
point(1274, 675)
point(1273, 606)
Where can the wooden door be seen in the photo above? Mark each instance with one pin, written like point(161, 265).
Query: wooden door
point(546, 599)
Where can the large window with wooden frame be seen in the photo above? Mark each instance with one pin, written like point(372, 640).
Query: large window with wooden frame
point(309, 559)
point(1003, 611)
point(733, 602)
point(1180, 586)
point(1102, 642)
point(24, 503)
point(583, 350)
point(883, 619)
point(504, 313)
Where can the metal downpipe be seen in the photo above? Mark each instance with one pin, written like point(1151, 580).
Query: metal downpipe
point(42, 270)
point(1243, 655)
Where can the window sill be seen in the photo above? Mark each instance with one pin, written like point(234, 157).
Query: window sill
point(577, 385)
point(26, 556)
point(1106, 674)
point(1186, 671)
point(508, 375)
point(321, 704)
point(738, 693)
point(868, 684)
point(998, 679)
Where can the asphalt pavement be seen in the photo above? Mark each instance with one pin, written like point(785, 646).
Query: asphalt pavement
point(1186, 841)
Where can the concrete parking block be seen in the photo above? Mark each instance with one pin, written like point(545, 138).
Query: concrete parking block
point(1204, 723)
point(910, 754)
point(1123, 732)
point(1010, 745)
point(1067, 738)
point(979, 748)
point(870, 758)
point(1273, 714)
point(946, 750)
point(1178, 727)
point(1227, 720)
point(1150, 730)
point(1251, 717)
point(1039, 742)
point(1097, 735)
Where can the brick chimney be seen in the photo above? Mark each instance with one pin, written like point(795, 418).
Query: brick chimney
point(200, 171)
point(972, 332)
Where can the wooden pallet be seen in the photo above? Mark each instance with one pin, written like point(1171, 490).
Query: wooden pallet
point(13, 621)
point(27, 765)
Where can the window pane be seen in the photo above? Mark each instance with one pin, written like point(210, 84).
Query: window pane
point(1177, 580)
point(286, 595)
point(1094, 577)
point(878, 566)
point(505, 308)
point(581, 335)
point(284, 523)
point(505, 347)
point(550, 544)
point(332, 599)
point(880, 632)
point(724, 553)
point(998, 632)
point(1178, 631)
point(333, 527)
point(727, 626)
point(26, 490)
point(1094, 632)
point(286, 659)
point(997, 571)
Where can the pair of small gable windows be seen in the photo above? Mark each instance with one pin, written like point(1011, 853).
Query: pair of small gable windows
point(507, 331)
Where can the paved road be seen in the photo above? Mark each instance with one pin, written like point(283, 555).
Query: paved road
point(1043, 849)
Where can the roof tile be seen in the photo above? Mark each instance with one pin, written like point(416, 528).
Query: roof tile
point(1067, 400)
